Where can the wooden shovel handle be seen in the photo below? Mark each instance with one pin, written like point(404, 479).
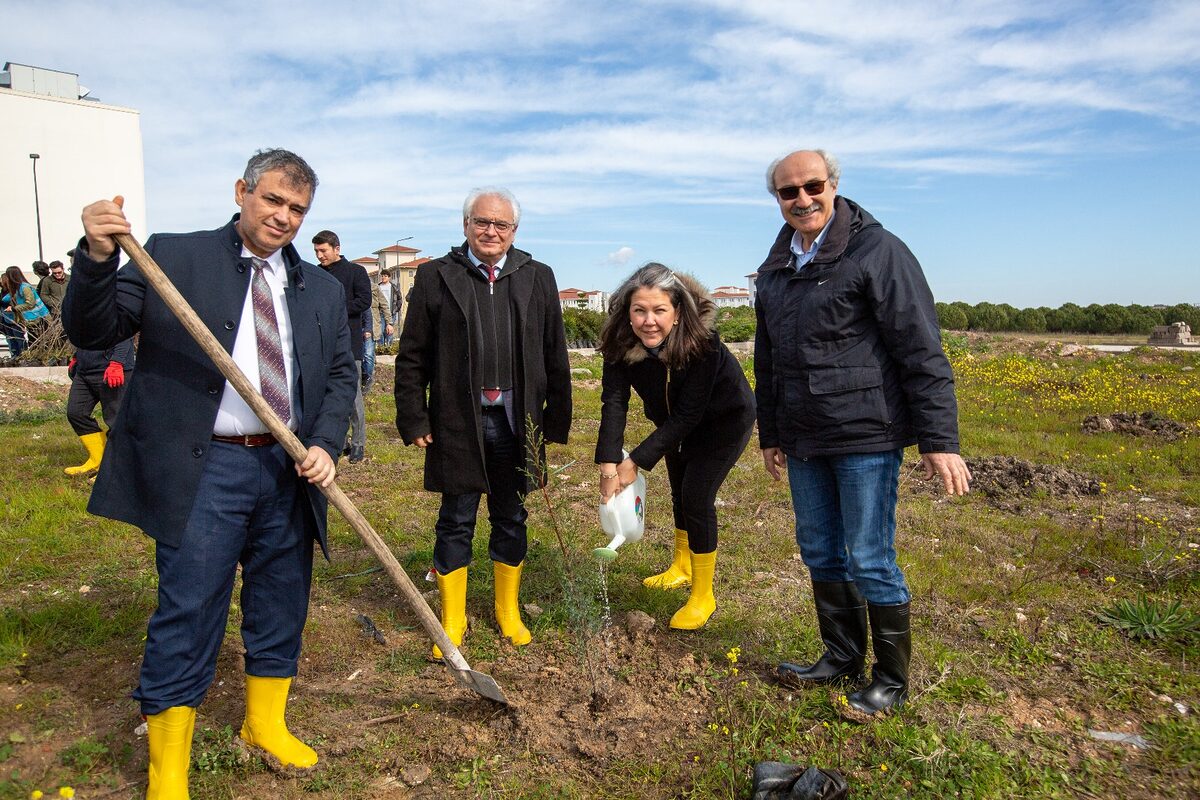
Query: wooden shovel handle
point(294, 447)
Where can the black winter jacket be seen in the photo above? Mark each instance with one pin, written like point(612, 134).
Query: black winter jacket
point(847, 353)
point(357, 285)
point(706, 404)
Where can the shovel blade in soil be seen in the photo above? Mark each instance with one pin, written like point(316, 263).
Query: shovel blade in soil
point(479, 683)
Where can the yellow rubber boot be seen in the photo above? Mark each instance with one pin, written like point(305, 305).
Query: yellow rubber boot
point(266, 701)
point(679, 574)
point(701, 605)
point(453, 588)
point(169, 734)
point(508, 614)
point(94, 444)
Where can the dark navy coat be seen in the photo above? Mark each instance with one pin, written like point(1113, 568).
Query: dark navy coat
point(847, 352)
point(157, 448)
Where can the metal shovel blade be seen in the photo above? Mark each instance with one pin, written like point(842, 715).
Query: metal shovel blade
point(478, 682)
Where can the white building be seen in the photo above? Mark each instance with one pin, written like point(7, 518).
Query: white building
point(730, 296)
point(85, 151)
point(593, 300)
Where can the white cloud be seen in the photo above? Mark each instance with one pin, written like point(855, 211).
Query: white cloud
point(621, 256)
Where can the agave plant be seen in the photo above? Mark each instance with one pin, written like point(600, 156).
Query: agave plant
point(1149, 619)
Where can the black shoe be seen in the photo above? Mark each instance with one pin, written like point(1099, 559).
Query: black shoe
point(842, 619)
point(357, 455)
point(346, 449)
point(891, 638)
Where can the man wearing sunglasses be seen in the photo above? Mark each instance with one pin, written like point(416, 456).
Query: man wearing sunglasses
point(850, 371)
point(484, 335)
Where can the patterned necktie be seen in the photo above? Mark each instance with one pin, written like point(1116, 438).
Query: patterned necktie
point(272, 376)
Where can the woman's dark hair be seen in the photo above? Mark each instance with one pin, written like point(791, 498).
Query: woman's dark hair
point(688, 340)
point(13, 278)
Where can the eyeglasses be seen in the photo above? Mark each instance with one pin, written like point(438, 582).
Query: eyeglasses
point(501, 226)
point(812, 189)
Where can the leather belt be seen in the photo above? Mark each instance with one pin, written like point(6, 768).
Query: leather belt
point(249, 440)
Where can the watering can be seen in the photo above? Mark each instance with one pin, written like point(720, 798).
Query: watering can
point(623, 517)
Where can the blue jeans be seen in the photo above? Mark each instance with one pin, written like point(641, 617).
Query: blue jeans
point(846, 521)
point(368, 364)
point(251, 509)
point(503, 458)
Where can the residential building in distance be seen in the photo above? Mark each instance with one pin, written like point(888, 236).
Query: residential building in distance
point(752, 282)
point(730, 296)
point(63, 149)
point(584, 300)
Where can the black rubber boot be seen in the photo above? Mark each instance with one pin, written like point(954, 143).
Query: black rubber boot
point(892, 641)
point(842, 618)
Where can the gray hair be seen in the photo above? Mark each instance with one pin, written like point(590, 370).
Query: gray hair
point(295, 169)
point(831, 167)
point(693, 306)
point(493, 191)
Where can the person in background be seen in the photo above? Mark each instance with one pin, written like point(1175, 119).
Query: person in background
point(97, 377)
point(53, 287)
point(373, 331)
point(482, 360)
point(390, 319)
point(357, 285)
point(659, 340)
point(849, 370)
point(24, 309)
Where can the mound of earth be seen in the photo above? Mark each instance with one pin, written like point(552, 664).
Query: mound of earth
point(1006, 476)
point(1003, 477)
point(1145, 423)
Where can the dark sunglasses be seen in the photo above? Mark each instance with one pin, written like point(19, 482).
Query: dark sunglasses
point(812, 189)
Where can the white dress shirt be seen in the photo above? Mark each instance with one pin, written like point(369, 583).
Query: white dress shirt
point(234, 417)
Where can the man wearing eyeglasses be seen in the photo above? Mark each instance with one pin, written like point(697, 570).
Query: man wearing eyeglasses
point(850, 371)
point(484, 335)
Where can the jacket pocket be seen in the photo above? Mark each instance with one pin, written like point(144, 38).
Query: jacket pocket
point(845, 404)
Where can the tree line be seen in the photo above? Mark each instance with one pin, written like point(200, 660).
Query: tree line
point(737, 324)
point(1067, 318)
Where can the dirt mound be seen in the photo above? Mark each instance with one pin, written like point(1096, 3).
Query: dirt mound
point(1145, 423)
point(1006, 476)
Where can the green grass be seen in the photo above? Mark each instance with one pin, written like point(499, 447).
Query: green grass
point(1012, 664)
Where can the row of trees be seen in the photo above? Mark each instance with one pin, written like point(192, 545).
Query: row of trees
point(737, 324)
point(1067, 318)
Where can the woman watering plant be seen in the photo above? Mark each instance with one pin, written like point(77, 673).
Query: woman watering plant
point(659, 340)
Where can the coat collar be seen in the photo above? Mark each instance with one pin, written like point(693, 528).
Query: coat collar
point(291, 257)
point(848, 219)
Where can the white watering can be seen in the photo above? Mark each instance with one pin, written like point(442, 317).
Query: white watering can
point(623, 517)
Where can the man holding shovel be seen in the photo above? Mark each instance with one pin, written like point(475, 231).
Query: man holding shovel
point(191, 465)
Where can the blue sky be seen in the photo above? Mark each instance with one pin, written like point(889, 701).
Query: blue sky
point(1033, 153)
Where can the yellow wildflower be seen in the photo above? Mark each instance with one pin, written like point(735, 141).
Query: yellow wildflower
point(66, 791)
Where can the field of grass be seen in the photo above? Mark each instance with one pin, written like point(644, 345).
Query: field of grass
point(1054, 603)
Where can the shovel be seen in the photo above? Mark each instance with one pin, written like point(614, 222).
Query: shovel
point(477, 682)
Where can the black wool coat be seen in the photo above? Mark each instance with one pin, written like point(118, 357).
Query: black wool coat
point(439, 372)
point(357, 286)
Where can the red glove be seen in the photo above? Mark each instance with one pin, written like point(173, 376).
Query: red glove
point(114, 374)
point(71, 367)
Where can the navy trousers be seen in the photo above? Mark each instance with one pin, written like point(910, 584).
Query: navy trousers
point(455, 528)
point(251, 509)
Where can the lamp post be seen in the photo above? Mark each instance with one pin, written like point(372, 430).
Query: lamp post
point(36, 205)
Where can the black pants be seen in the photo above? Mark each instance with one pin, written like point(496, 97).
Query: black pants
point(85, 394)
point(455, 528)
point(695, 480)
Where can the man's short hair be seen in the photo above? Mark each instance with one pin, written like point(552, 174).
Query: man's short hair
point(493, 191)
point(831, 167)
point(57, 264)
point(327, 237)
point(41, 268)
point(385, 273)
point(296, 171)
